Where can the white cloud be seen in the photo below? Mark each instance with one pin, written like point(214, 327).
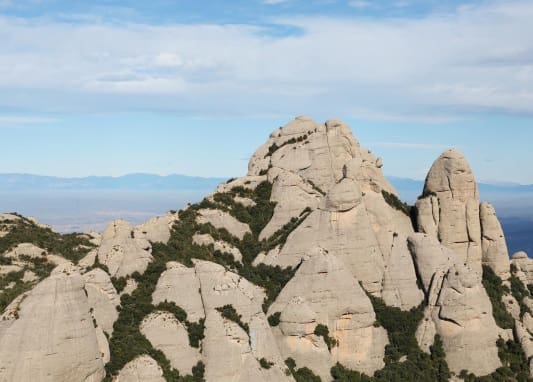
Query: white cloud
point(423, 69)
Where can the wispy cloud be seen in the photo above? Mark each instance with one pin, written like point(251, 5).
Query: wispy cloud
point(475, 58)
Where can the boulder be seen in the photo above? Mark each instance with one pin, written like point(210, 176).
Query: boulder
point(156, 229)
point(167, 334)
point(221, 219)
point(218, 245)
point(121, 252)
point(142, 369)
point(180, 285)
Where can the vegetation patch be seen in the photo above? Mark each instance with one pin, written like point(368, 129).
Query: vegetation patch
point(229, 313)
point(323, 331)
point(303, 374)
point(496, 290)
point(515, 365)
point(72, 246)
point(265, 364)
point(418, 366)
point(274, 319)
point(274, 147)
point(401, 328)
point(393, 201)
point(520, 293)
point(127, 341)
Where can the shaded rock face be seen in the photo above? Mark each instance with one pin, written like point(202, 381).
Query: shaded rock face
point(121, 252)
point(449, 209)
point(51, 337)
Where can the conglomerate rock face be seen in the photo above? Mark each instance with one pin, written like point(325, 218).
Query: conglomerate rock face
point(50, 334)
point(296, 267)
point(449, 207)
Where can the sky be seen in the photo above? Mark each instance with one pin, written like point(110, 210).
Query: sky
point(194, 87)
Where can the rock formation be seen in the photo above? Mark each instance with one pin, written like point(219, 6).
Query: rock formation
point(49, 336)
point(121, 252)
point(310, 258)
point(449, 207)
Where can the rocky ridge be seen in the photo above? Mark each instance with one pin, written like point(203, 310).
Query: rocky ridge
point(308, 268)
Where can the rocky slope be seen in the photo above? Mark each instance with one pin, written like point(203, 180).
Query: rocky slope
point(308, 268)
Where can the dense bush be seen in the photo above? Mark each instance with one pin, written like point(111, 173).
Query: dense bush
point(323, 331)
point(418, 366)
point(396, 203)
point(401, 327)
point(229, 313)
point(303, 374)
point(265, 364)
point(515, 365)
point(71, 246)
point(495, 290)
point(119, 283)
point(274, 319)
point(520, 293)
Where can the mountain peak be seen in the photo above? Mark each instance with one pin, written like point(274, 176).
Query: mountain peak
point(307, 268)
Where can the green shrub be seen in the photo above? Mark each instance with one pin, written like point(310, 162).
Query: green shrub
point(495, 290)
point(265, 364)
point(119, 283)
point(520, 293)
point(301, 375)
point(229, 313)
point(323, 331)
point(274, 319)
point(401, 327)
point(393, 201)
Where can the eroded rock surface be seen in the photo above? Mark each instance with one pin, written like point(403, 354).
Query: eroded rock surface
point(51, 336)
point(142, 369)
point(449, 207)
point(324, 292)
point(121, 252)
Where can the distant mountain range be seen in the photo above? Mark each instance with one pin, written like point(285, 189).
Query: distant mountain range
point(408, 188)
point(28, 182)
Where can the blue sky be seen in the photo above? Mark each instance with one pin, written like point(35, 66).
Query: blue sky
point(193, 87)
